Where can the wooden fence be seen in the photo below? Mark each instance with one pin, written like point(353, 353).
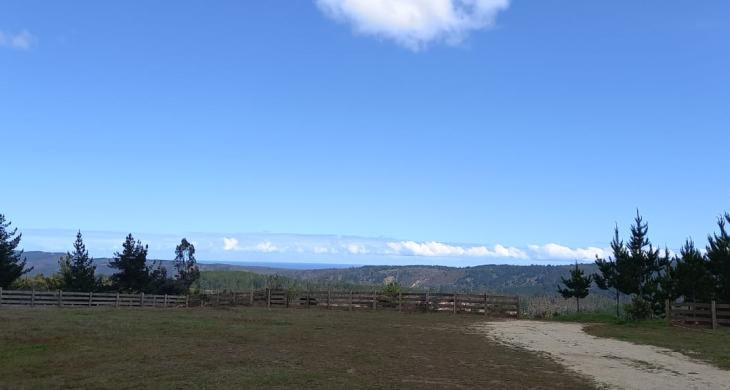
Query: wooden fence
point(87, 299)
point(494, 305)
point(485, 304)
point(704, 314)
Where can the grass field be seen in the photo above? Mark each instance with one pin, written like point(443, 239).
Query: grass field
point(257, 348)
point(700, 343)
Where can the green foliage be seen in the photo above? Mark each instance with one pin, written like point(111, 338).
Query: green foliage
point(638, 309)
point(133, 273)
point(637, 268)
point(77, 269)
point(613, 271)
point(229, 281)
point(39, 283)
point(391, 289)
point(185, 265)
point(691, 276)
point(576, 287)
point(12, 263)
point(718, 255)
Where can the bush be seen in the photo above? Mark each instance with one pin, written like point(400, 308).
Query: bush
point(638, 309)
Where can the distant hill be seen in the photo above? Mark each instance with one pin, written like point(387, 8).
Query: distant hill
point(508, 279)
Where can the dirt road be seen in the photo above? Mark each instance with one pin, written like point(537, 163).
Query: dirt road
point(613, 364)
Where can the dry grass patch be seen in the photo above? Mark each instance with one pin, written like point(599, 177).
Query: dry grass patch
point(255, 348)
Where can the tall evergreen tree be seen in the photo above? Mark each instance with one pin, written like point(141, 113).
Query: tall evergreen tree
point(133, 273)
point(718, 256)
point(576, 287)
point(12, 262)
point(78, 269)
point(612, 270)
point(185, 265)
point(692, 278)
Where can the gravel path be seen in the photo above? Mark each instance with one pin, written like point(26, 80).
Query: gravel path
point(613, 364)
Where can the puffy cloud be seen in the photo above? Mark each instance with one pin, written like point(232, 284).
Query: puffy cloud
point(439, 249)
point(22, 40)
point(230, 244)
point(559, 252)
point(415, 23)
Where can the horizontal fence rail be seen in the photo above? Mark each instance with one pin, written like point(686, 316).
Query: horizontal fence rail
point(88, 299)
point(703, 314)
point(485, 304)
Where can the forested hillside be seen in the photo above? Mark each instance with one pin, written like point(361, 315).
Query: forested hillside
point(527, 280)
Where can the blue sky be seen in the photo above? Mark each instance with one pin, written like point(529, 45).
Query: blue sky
point(353, 131)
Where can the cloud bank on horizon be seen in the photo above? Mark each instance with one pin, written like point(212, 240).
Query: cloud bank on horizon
point(415, 24)
point(317, 248)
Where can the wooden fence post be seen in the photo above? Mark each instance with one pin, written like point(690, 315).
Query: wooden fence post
point(165, 302)
point(187, 300)
point(713, 307)
point(329, 296)
point(486, 302)
point(454, 303)
point(141, 300)
point(60, 298)
point(400, 301)
point(117, 302)
point(307, 297)
point(91, 296)
point(428, 301)
point(250, 298)
point(234, 298)
point(349, 307)
point(154, 300)
point(375, 299)
point(32, 298)
point(518, 307)
point(1, 296)
point(268, 298)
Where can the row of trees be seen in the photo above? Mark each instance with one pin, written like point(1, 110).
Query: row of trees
point(650, 276)
point(77, 270)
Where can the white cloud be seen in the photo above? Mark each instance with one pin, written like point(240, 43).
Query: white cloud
point(230, 244)
point(433, 248)
point(555, 251)
point(22, 40)
point(357, 249)
point(266, 247)
point(415, 23)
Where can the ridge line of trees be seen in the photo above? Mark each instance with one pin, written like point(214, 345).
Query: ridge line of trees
point(77, 270)
point(650, 276)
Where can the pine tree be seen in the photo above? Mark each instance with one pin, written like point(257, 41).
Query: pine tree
point(185, 264)
point(133, 272)
point(12, 263)
point(576, 287)
point(78, 269)
point(718, 256)
point(612, 271)
point(693, 280)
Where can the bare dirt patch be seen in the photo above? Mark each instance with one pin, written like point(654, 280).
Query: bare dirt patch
point(612, 364)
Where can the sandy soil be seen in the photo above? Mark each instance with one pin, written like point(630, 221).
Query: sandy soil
point(613, 364)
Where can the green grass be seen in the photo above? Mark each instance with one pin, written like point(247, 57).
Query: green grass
point(703, 344)
point(257, 348)
point(589, 317)
point(699, 343)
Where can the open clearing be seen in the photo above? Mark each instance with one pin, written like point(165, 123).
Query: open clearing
point(611, 363)
point(258, 348)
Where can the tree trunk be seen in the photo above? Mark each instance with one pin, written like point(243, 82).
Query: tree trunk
point(577, 303)
point(617, 303)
